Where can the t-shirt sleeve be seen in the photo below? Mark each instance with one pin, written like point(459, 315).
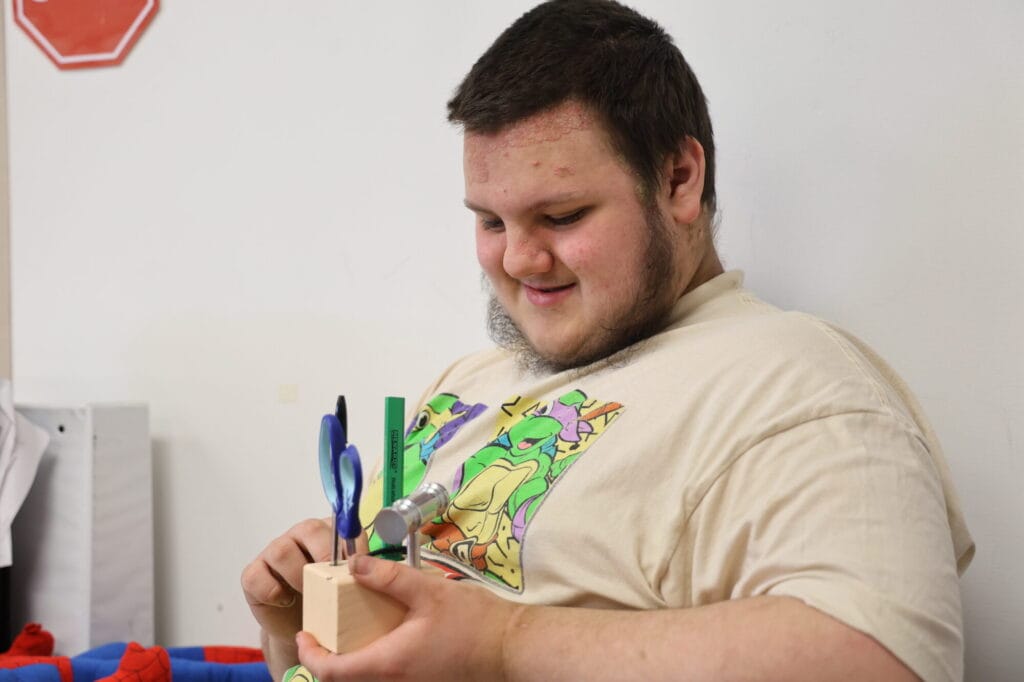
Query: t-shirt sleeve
point(846, 513)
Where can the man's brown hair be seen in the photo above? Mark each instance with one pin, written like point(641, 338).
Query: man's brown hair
point(620, 64)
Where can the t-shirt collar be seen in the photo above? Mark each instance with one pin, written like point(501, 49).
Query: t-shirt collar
point(719, 285)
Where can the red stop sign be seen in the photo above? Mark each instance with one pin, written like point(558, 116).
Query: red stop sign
point(78, 33)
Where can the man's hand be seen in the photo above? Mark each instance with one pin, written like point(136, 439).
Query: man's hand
point(272, 583)
point(454, 630)
point(460, 631)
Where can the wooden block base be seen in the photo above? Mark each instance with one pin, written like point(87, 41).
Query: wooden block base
point(343, 615)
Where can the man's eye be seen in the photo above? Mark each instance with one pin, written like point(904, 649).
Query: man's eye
point(491, 223)
point(566, 219)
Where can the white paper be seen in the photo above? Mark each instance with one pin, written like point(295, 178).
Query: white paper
point(22, 444)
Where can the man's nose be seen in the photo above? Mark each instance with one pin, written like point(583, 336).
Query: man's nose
point(525, 254)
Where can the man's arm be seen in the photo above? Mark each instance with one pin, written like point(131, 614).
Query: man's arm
point(460, 630)
point(762, 638)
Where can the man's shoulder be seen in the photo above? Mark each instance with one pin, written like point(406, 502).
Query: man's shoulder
point(747, 347)
point(745, 327)
point(733, 319)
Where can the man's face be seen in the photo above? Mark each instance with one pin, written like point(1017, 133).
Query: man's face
point(577, 263)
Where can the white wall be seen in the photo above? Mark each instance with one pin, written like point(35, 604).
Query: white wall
point(261, 208)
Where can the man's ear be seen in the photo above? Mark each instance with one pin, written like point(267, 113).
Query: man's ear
point(685, 172)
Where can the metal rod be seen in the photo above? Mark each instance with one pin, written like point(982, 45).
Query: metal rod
point(412, 549)
point(334, 553)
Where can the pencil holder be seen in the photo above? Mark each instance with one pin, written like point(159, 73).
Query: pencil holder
point(342, 614)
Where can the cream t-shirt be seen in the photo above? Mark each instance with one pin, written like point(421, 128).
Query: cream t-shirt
point(743, 451)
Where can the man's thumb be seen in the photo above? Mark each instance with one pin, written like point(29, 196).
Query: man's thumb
point(396, 580)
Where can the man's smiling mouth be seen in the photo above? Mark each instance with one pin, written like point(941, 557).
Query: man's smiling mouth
point(547, 296)
point(548, 290)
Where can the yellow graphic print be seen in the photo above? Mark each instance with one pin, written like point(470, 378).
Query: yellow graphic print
point(499, 489)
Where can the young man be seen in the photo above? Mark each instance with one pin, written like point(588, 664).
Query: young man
point(656, 475)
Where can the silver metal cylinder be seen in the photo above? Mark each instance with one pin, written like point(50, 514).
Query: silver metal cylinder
point(408, 514)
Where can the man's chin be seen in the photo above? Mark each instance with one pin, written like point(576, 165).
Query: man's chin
point(554, 361)
point(506, 334)
point(534, 357)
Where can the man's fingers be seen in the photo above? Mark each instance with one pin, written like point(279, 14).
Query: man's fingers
point(262, 585)
point(275, 576)
point(317, 659)
point(283, 560)
point(389, 577)
point(314, 536)
point(311, 654)
point(379, 659)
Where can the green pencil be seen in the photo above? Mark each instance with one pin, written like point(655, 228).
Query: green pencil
point(394, 464)
point(394, 415)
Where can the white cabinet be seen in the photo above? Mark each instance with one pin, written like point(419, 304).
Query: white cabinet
point(83, 540)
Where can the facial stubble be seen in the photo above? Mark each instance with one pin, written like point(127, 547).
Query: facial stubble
point(655, 299)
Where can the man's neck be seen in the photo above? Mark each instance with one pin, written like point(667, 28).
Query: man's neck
point(709, 268)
